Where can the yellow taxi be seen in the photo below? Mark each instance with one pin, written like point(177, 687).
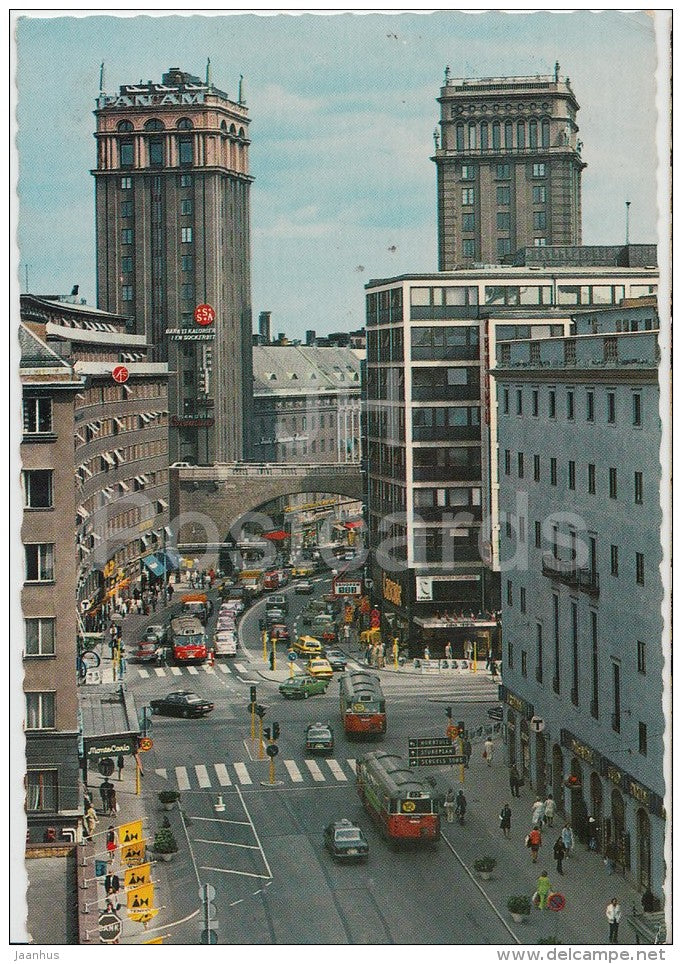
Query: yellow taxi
point(320, 668)
point(302, 572)
point(307, 646)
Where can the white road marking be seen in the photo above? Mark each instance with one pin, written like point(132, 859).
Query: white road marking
point(208, 668)
point(144, 673)
point(240, 668)
point(193, 670)
point(238, 823)
point(315, 771)
point(159, 671)
point(222, 774)
point(176, 671)
point(352, 764)
point(237, 873)
point(337, 771)
point(242, 773)
point(223, 668)
point(202, 776)
point(182, 778)
point(293, 771)
point(227, 843)
point(162, 773)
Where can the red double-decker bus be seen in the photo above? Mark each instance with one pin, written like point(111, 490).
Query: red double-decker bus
point(362, 704)
point(404, 805)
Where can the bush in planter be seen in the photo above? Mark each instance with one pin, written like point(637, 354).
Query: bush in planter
point(485, 865)
point(165, 842)
point(168, 796)
point(519, 904)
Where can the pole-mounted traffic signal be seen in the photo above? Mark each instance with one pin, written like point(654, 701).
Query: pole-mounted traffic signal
point(461, 728)
point(253, 694)
point(266, 732)
point(275, 731)
point(448, 712)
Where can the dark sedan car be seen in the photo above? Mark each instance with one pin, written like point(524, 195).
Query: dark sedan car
point(336, 659)
point(181, 703)
point(319, 738)
point(346, 840)
point(496, 713)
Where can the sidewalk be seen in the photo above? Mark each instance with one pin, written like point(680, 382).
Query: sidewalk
point(584, 884)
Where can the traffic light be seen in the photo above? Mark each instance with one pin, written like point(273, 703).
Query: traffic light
point(266, 732)
point(275, 731)
point(261, 624)
point(461, 728)
point(448, 712)
point(253, 694)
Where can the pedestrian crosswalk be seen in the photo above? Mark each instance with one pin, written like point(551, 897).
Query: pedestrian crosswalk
point(206, 776)
point(219, 669)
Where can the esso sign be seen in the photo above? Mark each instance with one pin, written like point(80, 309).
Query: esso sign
point(120, 374)
point(204, 315)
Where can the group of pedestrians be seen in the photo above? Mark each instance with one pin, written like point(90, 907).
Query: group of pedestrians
point(455, 806)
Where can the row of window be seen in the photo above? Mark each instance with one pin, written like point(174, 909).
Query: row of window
point(480, 136)
point(611, 410)
point(591, 478)
point(127, 208)
point(128, 236)
point(112, 460)
point(185, 180)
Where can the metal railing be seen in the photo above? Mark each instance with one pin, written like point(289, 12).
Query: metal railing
point(585, 580)
point(224, 472)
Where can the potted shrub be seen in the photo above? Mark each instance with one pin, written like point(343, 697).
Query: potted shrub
point(484, 867)
point(168, 798)
point(165, 844)
point(519, 907)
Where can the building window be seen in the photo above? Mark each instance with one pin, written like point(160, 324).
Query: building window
point(507, 462)
point(539, 220)
point(538, 652)
point(503, 194)
point(185, 180)
point(469, 222)
point(505, 401)
point(471, 137)
point(538, 535)
point(524, 663)
point(508, 527)
point(126, 236)
point(185, 206)
point(613, 483)
point(468, 248)
point(591, 478)
point(37, 416)
point(539, 194)
point(594, 707)
point(520, 464)
point(42, 791)
point(186, 235)
point(639, 488)
point(642, 738)
point(187, 291)
point(503, 247)
point(503, 220)
point(536, 468)
point(552, 404)
point(510, 593)
point(156, 152)
point(589, 412)
point(641, 657)
point(503, 172)
point(552, 471)
point(533, 133)
point(186, 150)
point(637, 410)
point(571, 474)
point(510, 655)
point(40, 714)
point(126, 183)
point(40, 637)
point(187, 263)
point(508, 135)
point(468, 172)
point(126, 209)
point(39, 562)
point(538, 170)
point(468, 195)
point(38, 489)
point(521, 135)
point(639, 568)
point(126, 265)
point(519, 401)
point(522, 599)
point(556, 682)
point(614, 560)
point(575, 661)
point(615, 717)
point(496, 136)
point(126, 153)
point(126, 293)
point(535, 406)
point(544, 125)
point(540, 242)
point(611, 407)
point(570, 406)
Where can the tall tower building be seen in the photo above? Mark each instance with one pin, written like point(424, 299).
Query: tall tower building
point(172, 226)
point(508, 167)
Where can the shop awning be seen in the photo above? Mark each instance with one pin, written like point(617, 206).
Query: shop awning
point(110, 724)
point(154, 564)
point(277, 535)
point(353, 525)
point(171, 559)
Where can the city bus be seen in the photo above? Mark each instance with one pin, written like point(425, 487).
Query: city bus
point(188, 639)
point(251, 580)
point(196, 604)
point(362, 704)
point(402, 803)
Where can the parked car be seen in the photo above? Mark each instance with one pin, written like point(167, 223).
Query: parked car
point(345, 840)
point(307, 646)
point(304, 586)
point(146, 652)
point(181, 703)
point(336, 659)
point(301, 687)
point(320, 668)
point(319, 738)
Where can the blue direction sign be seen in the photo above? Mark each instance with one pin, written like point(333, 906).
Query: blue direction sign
point(291, 656)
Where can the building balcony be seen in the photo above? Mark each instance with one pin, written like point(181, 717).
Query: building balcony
point(584, 580)
point(446, 433)
point(501, 152)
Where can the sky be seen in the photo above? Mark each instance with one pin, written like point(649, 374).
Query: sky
point(343, 109)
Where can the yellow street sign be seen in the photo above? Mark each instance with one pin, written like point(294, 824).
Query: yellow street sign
point(144, 916)
point(141, 898)
point(130, 833)
point(134, 854)
point(136, 876)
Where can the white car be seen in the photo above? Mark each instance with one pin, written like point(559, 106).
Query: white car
point(225, 643)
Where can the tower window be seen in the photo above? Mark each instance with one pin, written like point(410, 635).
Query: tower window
point(186, 151)
point(539, 194)
point(156, 152)
point(538, 170)
point(186, 235)
point(126, 183)
point(126, 153)
point(185, 206)
point(468, 195)
point(185, 124)
point(124, 126)
point(503, 171)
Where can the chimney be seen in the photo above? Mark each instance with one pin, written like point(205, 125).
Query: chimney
point(264, 327)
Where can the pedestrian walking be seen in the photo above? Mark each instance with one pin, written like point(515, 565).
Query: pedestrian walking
point(449, 805)
point(111, 842)
point(505, 820)
point(90, 820)
point(592, 834)
point(466, 750)
point(460, 806)
point(105, 794)
point(427, 653)
point(112, 884)
point(559, 853)
point(469, 650)
point(550, 810)
point(448, 650)
point(119, 765)
point(613, 916)
point(567, 838)
point(113, 803)
point(493, 670)
point(543, 889)
point(514, 782)
point(534, 842)
point(169, 590)
point(121, 662)
point(610, 858)
point(488, 751)
point(112, 641)
point(538, 813)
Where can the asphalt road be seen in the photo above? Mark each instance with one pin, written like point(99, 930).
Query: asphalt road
point(263, 854)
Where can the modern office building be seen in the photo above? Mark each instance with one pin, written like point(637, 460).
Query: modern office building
point(509, 167)
point(172, 225)
point(583, 660)
point(431, 429)
point(48, 597)
point(119, 448)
